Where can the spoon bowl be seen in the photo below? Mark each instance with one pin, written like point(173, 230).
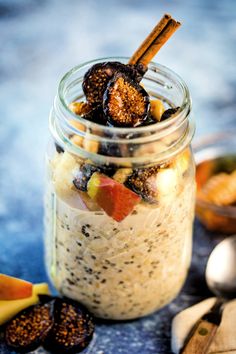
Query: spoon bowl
point(221, 269)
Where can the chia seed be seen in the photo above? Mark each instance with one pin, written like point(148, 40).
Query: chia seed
point(70, 281)
point(88, 270)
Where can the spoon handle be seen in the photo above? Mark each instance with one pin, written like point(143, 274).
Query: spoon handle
point(203, 333)
point(199, 342)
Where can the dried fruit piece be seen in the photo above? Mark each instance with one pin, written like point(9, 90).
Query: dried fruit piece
point(77, 140)
point(97, 77)
point(169, 112)
point(122, 174)
point(80, 108)
point(77, 125)
point(72, 330)
point(220, 189)
point(125, 103)
point(113, 148)
point(83, 175)
point(96, 115)
point(143, 182)
point(26, 331)
point(88, 112)
point(14, 288)
point(91, 145)
point(113, 197)
point(157, 109)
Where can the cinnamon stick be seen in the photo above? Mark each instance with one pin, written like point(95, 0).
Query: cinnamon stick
point(155, 40)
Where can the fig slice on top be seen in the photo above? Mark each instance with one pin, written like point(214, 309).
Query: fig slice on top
point(125, 103)
point(97, 77)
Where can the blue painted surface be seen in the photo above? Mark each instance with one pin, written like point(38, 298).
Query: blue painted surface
point(41, 40)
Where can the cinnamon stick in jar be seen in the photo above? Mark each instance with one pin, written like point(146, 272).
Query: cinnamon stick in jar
point(164, 29)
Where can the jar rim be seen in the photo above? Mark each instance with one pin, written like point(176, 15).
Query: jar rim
point(159, 141)
point(183, 110)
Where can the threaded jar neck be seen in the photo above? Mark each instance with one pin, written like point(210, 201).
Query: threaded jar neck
point(143, 145)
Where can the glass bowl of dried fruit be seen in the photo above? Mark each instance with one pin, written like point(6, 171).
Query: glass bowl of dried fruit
point(215, 157)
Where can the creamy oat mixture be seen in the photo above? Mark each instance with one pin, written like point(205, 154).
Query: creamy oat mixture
point(119, 270)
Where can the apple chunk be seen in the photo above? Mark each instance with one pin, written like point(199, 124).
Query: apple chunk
point(13, 288)
point(113, 197)
point(9, 309)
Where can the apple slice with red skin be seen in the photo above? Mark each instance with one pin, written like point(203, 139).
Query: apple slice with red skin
point(13, 288)
point(113, 197)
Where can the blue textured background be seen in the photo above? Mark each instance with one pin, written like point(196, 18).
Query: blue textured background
point(39, 41)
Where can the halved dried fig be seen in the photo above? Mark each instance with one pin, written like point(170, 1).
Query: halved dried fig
point(169, 112)
point(125, 102)
point(92, 113)
point(97, 77)
point(72, 330)
point(143, 182)
point(27, 330)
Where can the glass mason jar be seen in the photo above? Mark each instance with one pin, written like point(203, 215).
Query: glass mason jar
point(127, 269)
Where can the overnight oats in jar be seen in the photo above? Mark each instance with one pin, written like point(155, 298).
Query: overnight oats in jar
point(120, 199)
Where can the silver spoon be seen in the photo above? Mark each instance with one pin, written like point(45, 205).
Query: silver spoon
point(221, 280)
